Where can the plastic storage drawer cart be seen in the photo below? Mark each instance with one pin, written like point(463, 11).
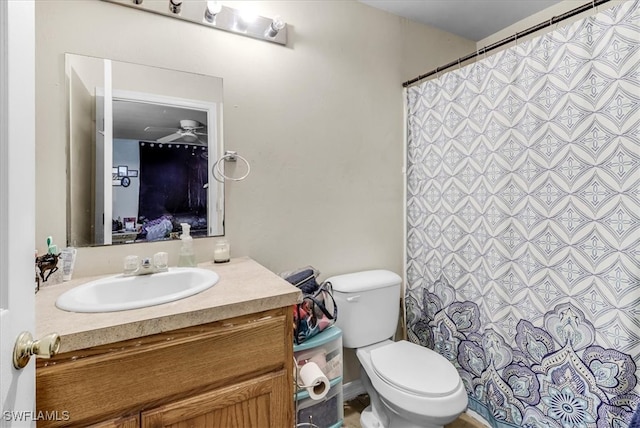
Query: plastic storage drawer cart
point(325, 350)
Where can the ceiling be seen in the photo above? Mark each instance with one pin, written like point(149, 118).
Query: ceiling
point(471, 19)
point(131, 120)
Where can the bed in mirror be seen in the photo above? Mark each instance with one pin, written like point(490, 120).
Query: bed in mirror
point(142, 143)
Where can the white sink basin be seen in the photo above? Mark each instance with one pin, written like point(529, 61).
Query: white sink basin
point(119, 292)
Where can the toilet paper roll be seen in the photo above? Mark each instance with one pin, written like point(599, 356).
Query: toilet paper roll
point(315, 382)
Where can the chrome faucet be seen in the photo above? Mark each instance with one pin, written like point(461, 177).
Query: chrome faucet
point(133, 267)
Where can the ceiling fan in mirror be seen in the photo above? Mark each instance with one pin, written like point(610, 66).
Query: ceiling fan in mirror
point(189, 132)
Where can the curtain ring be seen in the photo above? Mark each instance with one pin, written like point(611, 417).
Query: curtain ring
point(229, 156)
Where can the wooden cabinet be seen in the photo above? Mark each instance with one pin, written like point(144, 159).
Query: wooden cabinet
point(124, 422)
point(232, 373)
point(254, 403)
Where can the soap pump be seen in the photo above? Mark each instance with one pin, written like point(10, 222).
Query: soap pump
point(187, 257)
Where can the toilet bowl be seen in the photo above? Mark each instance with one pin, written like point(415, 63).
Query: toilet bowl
point(410, 385)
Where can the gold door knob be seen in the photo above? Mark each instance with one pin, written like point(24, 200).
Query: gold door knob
point(25, 347)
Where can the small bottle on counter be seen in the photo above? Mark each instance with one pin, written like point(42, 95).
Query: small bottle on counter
point(221, 251)
point(186, 257)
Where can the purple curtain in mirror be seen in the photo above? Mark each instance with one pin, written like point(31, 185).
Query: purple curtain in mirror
point(172, 185)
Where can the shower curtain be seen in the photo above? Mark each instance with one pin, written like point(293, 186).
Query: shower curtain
point(523, 225)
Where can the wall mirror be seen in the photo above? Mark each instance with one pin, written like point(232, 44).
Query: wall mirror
point(142, 142)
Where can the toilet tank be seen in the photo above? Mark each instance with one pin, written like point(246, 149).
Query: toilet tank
point(368, 306)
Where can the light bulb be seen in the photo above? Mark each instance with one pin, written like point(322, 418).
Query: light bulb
point(213, 8)
point(243, 20)
point(276, 25)
point(175, 6)
point(248, 16)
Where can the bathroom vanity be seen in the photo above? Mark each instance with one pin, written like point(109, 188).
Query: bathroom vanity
point(223, 357)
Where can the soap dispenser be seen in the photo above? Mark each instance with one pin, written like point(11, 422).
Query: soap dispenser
point(187, 257)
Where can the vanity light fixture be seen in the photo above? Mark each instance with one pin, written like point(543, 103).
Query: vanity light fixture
point(175, 6)
point(243, 20)
point(213, 14)
point(276, 25)
point(211, 10)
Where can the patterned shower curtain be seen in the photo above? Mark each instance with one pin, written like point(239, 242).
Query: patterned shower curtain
point(523, 225)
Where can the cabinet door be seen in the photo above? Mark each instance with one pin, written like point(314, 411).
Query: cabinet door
point(253, 403)
point(127, 377)
point(126, 422)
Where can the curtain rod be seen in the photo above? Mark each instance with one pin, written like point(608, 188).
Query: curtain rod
point(530, 30)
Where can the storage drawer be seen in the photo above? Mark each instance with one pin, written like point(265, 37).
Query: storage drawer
point(325, 350)
point(323, 413)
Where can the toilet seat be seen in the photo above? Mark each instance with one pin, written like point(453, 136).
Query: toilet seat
point(399, 397)
point(415, 369)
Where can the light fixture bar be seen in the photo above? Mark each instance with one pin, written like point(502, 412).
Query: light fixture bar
point(227, 19)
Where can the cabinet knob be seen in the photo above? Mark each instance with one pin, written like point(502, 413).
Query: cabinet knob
point(25, 347)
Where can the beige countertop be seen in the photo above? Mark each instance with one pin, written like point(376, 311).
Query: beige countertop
point(244, 287)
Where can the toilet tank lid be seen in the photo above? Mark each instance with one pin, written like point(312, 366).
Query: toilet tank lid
point(366, 280)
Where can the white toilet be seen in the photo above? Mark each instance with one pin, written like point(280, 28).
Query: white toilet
point(409, 385)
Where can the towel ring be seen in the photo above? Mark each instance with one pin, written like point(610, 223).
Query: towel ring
point(229, 156)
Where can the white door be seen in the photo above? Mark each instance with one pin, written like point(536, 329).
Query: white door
point(104, 159)
point(17, 206)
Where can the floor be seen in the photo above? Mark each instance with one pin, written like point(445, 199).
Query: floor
point(353, 408)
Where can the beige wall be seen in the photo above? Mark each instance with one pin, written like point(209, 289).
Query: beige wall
point(321, 122)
